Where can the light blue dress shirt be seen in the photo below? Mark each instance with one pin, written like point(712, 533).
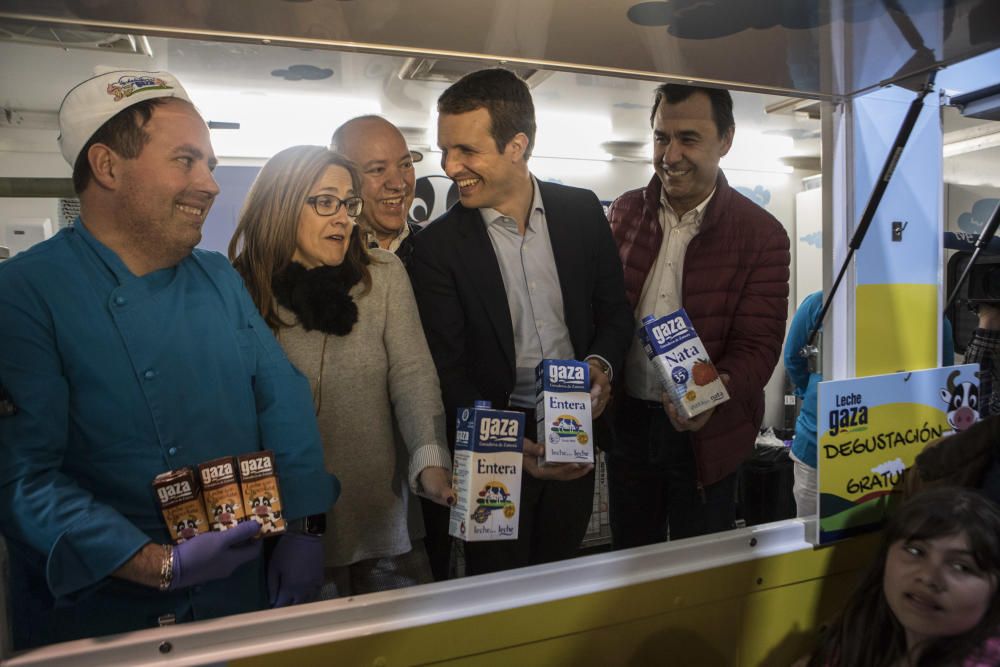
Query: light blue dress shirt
point(534, 294)
point(118, 378)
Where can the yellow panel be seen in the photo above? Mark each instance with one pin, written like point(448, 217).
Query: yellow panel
point(778, 626)
point(748, 608)
point(896, 328)
point(698, 636)
point(781, 625)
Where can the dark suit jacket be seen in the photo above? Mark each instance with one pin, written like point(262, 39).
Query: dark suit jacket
point(463, 304)
point(405, 249)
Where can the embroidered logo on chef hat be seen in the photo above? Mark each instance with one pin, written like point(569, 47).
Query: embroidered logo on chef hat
point(95, 101)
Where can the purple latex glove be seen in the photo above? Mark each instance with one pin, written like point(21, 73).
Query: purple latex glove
point(295, 574)
point(210, 556)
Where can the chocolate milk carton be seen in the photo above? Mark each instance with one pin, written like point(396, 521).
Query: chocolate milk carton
point(686, 373)
point(259, 488)
point(562, 409)
point(180, 502)
point(487, 474)
point(221, 493)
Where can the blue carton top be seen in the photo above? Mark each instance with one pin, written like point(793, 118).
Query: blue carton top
point(662, 334)
point(562, 375)
point(487, 430)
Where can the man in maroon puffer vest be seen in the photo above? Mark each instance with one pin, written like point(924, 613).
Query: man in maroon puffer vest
point(689, 240)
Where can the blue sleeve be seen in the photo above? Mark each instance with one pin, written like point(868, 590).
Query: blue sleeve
point(804, 320)
point(947, 343)
point(81, 541)
point(287, 423)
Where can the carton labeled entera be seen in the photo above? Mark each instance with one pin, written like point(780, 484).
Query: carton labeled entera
point(487, 473)
point(562, 411)
point(687, 374)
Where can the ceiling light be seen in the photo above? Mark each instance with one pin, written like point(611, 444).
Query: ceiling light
point(571, 135)
point(629, 151)
point(755, 151)
point(272, 122)
point(800, 108)
point(450, 70)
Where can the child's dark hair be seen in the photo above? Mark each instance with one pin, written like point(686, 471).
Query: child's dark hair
point(867, 633)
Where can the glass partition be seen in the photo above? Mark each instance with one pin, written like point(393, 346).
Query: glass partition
point(593, 133)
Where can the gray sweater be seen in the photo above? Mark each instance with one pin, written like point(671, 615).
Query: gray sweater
point(379, 390)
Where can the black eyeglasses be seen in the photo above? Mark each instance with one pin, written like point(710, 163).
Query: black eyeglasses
point(327, 205)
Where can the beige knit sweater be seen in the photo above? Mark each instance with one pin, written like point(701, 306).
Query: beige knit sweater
point(379, 390)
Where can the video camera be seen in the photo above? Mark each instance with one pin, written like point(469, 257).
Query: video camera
point(984, 281)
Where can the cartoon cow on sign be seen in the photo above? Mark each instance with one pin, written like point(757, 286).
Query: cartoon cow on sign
point(963, 403)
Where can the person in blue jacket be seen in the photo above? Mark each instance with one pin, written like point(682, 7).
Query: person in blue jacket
point(797, 367)
point(124, 353)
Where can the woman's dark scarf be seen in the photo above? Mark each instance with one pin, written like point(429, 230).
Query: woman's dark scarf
point(319, 297)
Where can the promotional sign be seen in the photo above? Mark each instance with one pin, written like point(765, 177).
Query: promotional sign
point(871, 429)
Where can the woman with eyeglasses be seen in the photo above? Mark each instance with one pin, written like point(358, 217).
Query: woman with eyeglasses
point(346, 318)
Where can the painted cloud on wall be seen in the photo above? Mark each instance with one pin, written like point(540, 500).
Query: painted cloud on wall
point(815, 239)
point(974, 220)
point(759, 195)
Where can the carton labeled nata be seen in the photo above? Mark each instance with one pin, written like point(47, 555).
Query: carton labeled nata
point(687, 374)
point(487, 474)
point(562, 411)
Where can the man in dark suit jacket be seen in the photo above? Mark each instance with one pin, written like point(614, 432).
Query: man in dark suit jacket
point(517, 271)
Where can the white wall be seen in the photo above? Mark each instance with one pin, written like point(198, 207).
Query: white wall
point(808, 244)
point(25, 221)
point(31, 153)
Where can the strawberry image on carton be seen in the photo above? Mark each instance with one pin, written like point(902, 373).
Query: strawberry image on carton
point(687, 374)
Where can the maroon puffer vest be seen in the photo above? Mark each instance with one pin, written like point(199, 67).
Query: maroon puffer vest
point(734, 288)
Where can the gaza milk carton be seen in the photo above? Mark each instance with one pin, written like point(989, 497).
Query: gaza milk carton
point(487, 473)
point(686, 373)
point(221, 493)
point(179, 496)
point(562, 409)
point(259, 488)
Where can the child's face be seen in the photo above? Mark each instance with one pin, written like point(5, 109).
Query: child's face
point(935, 588)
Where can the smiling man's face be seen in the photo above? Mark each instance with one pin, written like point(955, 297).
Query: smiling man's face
point(388, 178)
point(166, 192)
point(687, 148)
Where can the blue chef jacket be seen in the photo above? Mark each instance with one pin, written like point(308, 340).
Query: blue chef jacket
point(804, 443)
point(117, 378)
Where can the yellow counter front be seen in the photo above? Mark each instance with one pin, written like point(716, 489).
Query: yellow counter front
point(754, 596)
